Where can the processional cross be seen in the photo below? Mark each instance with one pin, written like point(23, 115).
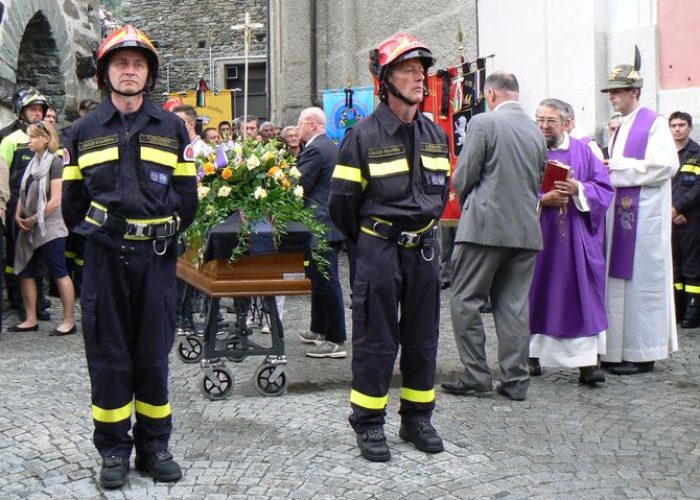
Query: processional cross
point(247, 28)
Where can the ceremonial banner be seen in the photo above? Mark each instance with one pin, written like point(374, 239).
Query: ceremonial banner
point(345, 107)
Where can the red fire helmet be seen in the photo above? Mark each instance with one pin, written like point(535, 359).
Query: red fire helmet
point(397, 48)
point(127, 37)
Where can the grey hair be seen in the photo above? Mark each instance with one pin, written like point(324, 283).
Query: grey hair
point(505, 82)
point(564, 108)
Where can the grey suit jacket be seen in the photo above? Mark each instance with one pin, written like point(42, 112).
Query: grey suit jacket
point(497, 177)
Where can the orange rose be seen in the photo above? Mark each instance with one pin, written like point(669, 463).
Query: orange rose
point(226, 173)
point(286, 183)
point(273, 171)
point(209, 168)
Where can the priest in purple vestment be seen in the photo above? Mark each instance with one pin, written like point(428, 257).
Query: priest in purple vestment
point(567, 299)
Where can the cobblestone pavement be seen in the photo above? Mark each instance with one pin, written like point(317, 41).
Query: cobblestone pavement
point(633, 437)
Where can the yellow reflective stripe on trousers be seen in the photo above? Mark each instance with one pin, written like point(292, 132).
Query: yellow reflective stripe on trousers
point(692, 288)
point(678, 286)
point(369, 402)
point(72, 173)
point(152, 411)
point(389, 168)
point(694, 169)
point(157, 156)
point(346, 173)
point(416, 396)
point(97, 157)
point(186, 169)
point(436, 164)
point(111, 416)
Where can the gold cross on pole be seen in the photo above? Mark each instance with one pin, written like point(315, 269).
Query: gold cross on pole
point(247, 28)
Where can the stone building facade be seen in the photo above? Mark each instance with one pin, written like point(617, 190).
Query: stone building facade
point(304, 46)
point(48, 44)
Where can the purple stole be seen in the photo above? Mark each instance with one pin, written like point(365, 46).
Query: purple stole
point(626, 209)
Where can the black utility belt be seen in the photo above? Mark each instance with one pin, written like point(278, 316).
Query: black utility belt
point(405, 237)
point(159, 228)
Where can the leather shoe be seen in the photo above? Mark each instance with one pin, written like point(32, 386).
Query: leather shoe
point(590, 375)
point(160, 466)
point(534, 367)
point(459, 388)
point(59, 333)
point(113, 473)
point(629, 368)
point(503, 392)
point(372, 444)
point(17, 328)
point(423, 436)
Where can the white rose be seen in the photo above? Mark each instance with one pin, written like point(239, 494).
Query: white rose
point(294, 172)
point(267, 156)
point(224, 191)
point(238, 148)
point(282, 153)
point(299, 192)
point(260, 193)
point(253, 162)
point(203, 191)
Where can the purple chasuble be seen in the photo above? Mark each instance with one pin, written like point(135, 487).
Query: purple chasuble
point(567, 297)
point(626, 213)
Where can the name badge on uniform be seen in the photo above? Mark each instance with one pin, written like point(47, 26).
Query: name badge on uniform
point(436, 179)
point(158, 177)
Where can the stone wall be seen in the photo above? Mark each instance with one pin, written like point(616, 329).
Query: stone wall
point(195, 39)
point(46, 44)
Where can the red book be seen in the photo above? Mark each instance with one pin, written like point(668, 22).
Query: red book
point(555, 171)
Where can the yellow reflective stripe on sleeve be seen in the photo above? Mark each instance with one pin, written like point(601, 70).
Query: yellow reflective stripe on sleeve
point(346, 173)
point(69, 255)
point(72, 173)
point(692, 289)
point(9, 270)
point(158, 156)
point(97, 157)
point(111, 416)
point(416, 396)
point(693, 169)
point(153, 411)
point(186, 169)
point(389, 168)
point(678, 286)
point(436, 164)
point(79, 262)
point(369, 402)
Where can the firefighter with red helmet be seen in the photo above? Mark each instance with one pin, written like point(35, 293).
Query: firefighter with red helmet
point(128, 191)
point(387, 194)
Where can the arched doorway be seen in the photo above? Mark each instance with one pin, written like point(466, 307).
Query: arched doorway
point(38, 61)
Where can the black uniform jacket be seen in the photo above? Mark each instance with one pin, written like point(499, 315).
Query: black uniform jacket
point(686, 183)
point(376, 177)
point(133, 166)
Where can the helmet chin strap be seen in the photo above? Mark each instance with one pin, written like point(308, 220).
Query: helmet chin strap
point(398, 94)
point(109, 87)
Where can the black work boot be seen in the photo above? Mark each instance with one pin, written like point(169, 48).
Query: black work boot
point(423, 436)
point(160, 466)
point(679, 301)
point(372, 444)
point(691, 318)
point(113, 473)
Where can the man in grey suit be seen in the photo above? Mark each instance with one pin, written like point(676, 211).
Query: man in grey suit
point(497, 179)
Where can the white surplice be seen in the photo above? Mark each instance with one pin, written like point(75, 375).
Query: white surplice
point(641, 316)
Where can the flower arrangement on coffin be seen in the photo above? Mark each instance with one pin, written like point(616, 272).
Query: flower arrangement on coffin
point(261, 182)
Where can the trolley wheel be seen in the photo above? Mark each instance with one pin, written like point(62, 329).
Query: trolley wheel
point(265, 384)
point(190, 349)
point(219, 388)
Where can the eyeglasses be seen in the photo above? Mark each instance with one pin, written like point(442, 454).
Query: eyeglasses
point(548, 121)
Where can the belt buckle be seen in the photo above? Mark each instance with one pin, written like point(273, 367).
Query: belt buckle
point(407, 239)
point(139, 230)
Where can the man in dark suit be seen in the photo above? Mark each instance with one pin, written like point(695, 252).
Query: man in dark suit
point(316, 163)
point(496, 179)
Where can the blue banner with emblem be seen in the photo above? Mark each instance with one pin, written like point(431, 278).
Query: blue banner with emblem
point(345, 107)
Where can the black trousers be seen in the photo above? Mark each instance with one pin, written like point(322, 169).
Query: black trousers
point(686, 253)
point(128, 315)
point(327, 306)
point(396, 302)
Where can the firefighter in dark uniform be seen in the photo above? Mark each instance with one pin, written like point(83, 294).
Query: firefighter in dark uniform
point(686, 222)
point(387, 194)
point(128, 191)
point(30, 106)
